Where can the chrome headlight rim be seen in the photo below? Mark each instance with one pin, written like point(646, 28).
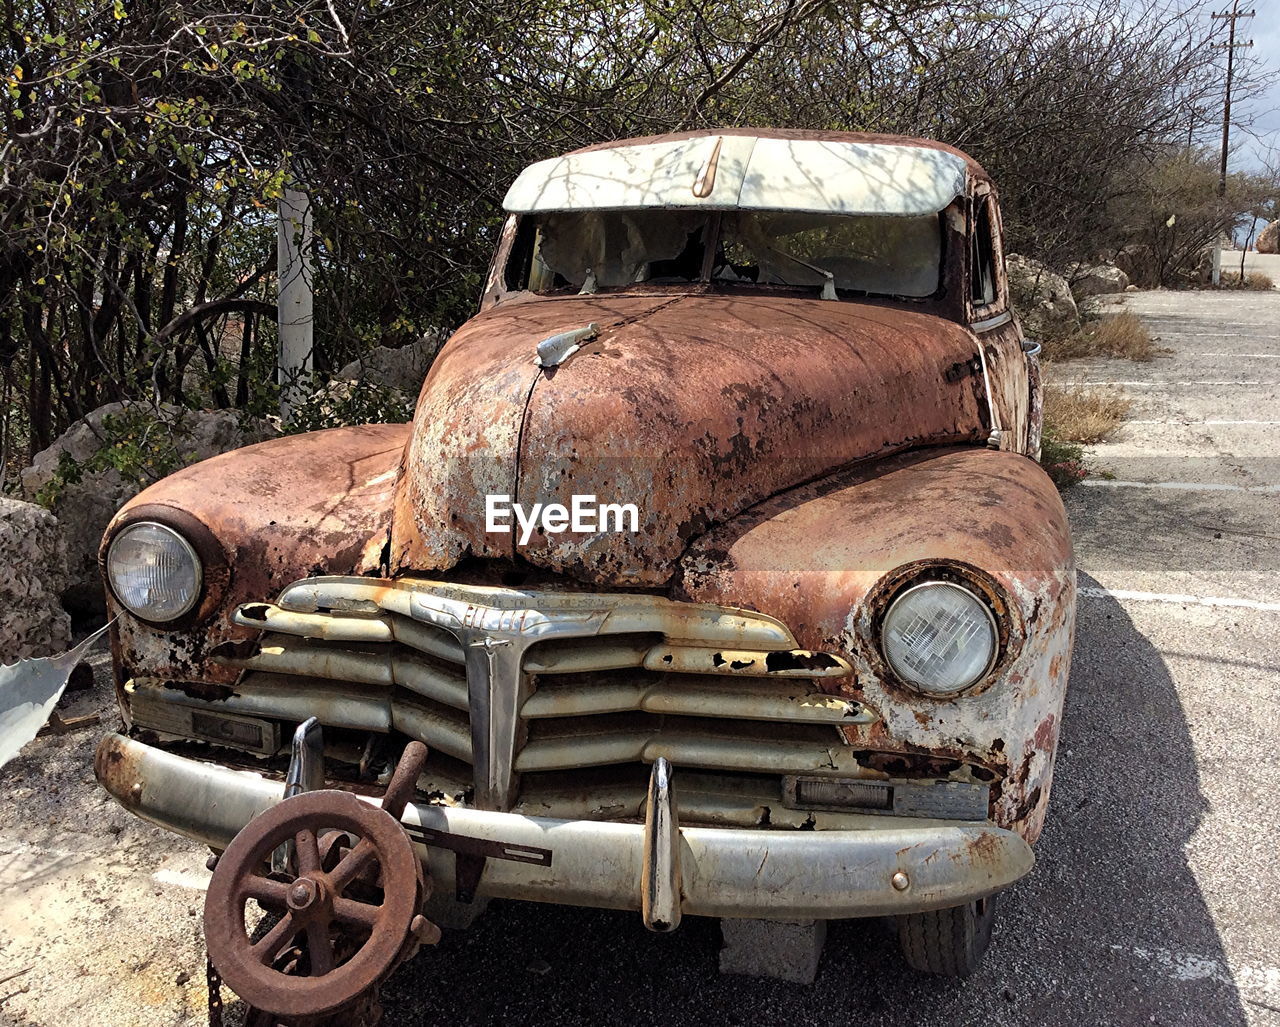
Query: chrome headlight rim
point(982, 585)
point(198, 593)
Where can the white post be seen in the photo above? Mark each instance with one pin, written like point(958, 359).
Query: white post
point(1216, 274)
point(293, 249)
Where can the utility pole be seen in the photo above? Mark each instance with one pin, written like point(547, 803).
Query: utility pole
point(1231, 17)
point(295, 293)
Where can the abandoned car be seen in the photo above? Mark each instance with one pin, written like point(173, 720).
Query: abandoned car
point(715, 575)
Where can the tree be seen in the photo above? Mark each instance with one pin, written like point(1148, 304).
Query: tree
point(145, 144)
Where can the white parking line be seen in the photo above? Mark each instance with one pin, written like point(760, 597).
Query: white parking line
point(1245, 356)
point(1192, 424)
point(1089, 592)
point(1179, 486)
point(1159, 384)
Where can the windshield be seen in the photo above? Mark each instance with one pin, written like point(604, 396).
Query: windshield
point(587, 251)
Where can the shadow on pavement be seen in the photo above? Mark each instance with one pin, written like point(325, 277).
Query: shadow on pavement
point(1110, 928)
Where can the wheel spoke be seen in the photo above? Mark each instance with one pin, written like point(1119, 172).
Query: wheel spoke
point(307, 851)
point(352, 863)
point(319, 948)
point(271, 895)
point(355, 914)
point(269, 945)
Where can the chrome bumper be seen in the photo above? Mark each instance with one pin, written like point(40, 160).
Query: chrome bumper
point(659, 868)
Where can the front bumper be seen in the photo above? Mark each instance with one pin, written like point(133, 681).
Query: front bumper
point(659, 868)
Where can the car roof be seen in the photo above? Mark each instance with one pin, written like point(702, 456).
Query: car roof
point(750, 169)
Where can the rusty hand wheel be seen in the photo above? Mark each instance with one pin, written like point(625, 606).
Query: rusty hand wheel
point(345, 942)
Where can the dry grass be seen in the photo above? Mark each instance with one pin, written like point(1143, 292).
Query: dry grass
point(1254, 281)
point(1085, 415)
point(1120, 335)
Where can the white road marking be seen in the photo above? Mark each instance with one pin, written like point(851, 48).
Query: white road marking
point(1088, 592)
point(1192, 966)
point(182, 879)
point(1158, 384)
point(1192, 424)
point(1245, 356)
point(1179, 486)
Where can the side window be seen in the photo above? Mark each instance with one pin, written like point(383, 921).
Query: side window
point(982, 262)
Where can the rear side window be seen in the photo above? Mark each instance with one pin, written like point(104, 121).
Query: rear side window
point(982, 264)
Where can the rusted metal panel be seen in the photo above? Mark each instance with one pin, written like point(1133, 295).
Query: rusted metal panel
point(468, 424)
point(268, 514)
point(825, 559)
point(705, 405)
point(1006, 369)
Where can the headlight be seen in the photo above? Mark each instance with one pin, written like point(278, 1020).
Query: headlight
point(939, 638)
point(153, 571)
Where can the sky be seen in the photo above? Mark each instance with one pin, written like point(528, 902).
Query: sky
point(1264, 30)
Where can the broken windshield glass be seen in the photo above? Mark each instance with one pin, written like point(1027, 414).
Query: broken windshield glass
point(618, 248)
point(584, 251)
point(887, 256)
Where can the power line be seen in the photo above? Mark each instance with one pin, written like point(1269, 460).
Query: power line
point(1231, 16)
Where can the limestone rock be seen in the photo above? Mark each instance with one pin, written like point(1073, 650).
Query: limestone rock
point(401, 369)
point(1096, 280)
point(1042, 298)
point(1269, 239)
point(33, 574)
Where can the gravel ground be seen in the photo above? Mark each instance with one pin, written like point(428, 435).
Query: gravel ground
point(1155, 899)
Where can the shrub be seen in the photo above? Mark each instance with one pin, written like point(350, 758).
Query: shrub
point(1062, 461)
point(1254, 281)
point(339, 403)
point(1084, 415)
point(1120, 335)
point(139, 443)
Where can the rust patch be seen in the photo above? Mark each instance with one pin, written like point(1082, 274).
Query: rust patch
point(908, 765)
point(245, 649)
point(830, 384)
point(799, 659)
point(204, 690)
point(117, 771)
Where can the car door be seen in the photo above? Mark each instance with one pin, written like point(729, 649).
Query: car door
point(1010, 365)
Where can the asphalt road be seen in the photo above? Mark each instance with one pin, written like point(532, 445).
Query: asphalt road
point(1155, 898)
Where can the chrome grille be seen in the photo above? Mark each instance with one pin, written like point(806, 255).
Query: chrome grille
point(519, 683)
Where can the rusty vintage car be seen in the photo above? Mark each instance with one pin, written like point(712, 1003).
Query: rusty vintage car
point(816, 671)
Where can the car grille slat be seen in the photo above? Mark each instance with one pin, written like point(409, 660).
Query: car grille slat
point(521, 683)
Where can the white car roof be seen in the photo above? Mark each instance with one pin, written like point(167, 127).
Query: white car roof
point(734, 172)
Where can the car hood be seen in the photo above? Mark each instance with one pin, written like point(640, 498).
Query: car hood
point(691, 407)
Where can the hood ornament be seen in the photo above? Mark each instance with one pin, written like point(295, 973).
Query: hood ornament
point(554, 350)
